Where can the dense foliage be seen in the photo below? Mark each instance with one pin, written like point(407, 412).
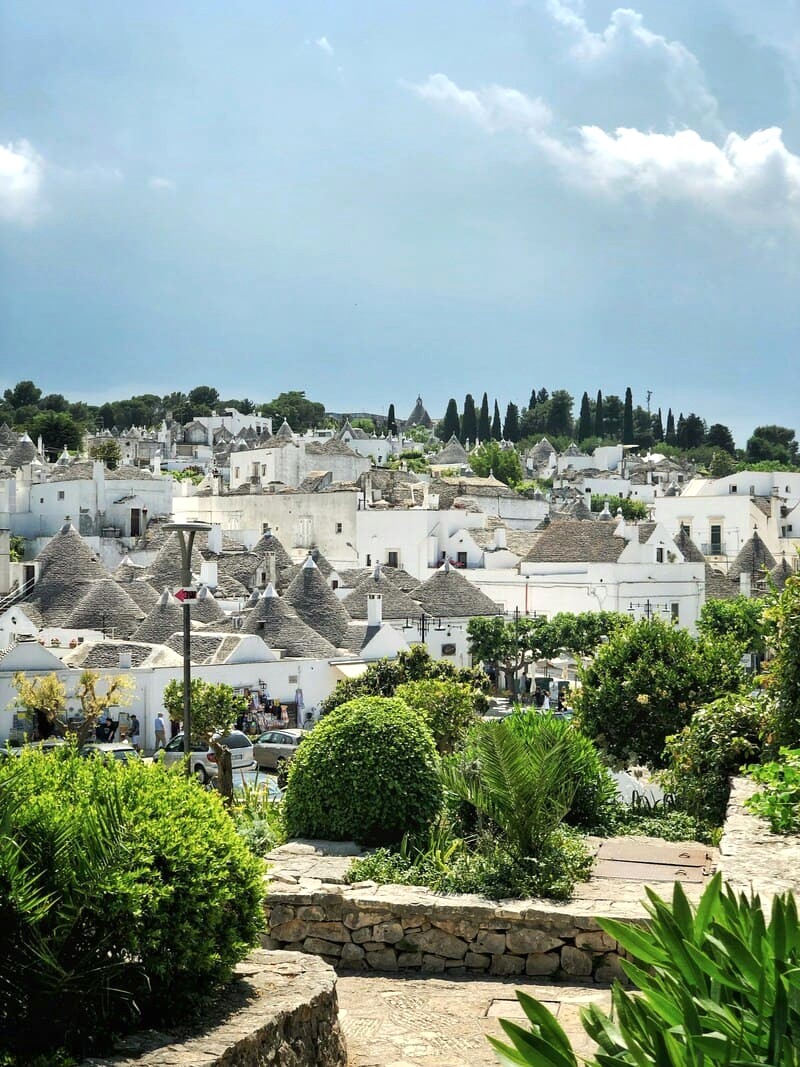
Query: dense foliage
point(125, 896)
point(646, 682)
point(716, 985)
point(783, 671)
point(631, 509)
point(779, 799)
point(741, 618)
point(368, 771)
point(384, 676)
point(449, 708)
point(503, 463)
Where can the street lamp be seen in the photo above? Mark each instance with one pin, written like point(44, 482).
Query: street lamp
point(186, 532)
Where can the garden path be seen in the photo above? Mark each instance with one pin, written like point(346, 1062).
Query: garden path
point(415, 1021)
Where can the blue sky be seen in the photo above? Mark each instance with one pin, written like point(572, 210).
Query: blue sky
point(371, 200)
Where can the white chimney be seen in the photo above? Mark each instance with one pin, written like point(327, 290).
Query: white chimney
point(500, 537)
point(208, 573)
point(125, 660)
point(745, 584)
point(374, 609)
point(215, 539)
point(272, 568)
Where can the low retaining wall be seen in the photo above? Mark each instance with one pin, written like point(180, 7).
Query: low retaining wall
point(281, 1010)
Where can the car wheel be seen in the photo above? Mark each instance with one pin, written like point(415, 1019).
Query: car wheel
point(201, 774)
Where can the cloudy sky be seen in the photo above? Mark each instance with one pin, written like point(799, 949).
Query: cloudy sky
point(373, 199)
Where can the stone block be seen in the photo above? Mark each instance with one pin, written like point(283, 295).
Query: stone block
point(329, 931)
point(312, 912)
point(409, 959)
point(477, 961)
point(355, 920)
point(352, 955)
point(490, 941)
point(455, 968)
point(539, 963)
point(317, 947)
point(384, 959)
point(610, 970)
point(390, 932)
point(373, 946)
point(360, 936)
point(269, 943)
point(504, 965)
point(595, 941)
point(525, 940)
point(432, 964)
point(439, 943)
point(458, 927)
point(292, 930)
point(575, 962)
point(280, 913)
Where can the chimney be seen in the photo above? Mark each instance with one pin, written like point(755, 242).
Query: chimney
point(215, 539)
point(500, 537)
point(374, 609)
point(745, 584)
point(124, 659)
point(272, 568)
point(208, 573)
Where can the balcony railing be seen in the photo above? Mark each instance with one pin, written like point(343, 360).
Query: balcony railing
point(714, 548)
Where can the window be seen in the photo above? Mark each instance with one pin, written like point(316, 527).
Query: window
point(236, 472)
point(369, 560)
point(686, 528)
point(60, 494)
point(675, 609)
point(716, 539)
point(265, 527)
point(659, 555)
point(338, 527)
point(733, 489)
point(393, 558)
point(335, 583)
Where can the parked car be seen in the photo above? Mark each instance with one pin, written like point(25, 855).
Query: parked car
point(121, 751)
point(274, 748)
point(203, 759)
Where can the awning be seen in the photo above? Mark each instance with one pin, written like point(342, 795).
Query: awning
point(350, 670)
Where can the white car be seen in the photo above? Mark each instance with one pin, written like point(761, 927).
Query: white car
point(202, 759)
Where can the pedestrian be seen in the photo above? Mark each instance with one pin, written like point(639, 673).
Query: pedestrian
point(174, 727)
point(111, 729)
point(545, 701)
point(135, 733)
point(160, 728)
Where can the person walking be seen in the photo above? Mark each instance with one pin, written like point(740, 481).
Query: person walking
point(135, 733)
point(160, 728)
point(545, 701)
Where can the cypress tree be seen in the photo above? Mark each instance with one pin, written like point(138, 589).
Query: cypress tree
point(585, 420)
point(450, 422)
point(658, 427)
point(469, 421)
point(497, 431)
point(669, 436)
point(598, 415)
point(542, 396)
point(484, 426)
point(511, 424)
point(391, 422)
point(627, 419)
point(532, 401)
point(680, 433)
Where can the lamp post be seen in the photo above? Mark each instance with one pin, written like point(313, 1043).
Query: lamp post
point(186, 532)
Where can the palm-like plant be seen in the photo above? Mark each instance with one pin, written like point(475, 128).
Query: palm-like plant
point(519, 785)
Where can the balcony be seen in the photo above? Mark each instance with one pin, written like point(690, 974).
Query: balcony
point(715, 548)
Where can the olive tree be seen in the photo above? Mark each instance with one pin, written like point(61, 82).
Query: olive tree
point(215, 708)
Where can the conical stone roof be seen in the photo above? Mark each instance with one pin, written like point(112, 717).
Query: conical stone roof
point(205, 608)
point(166, 568)
point(107, 607)
point(164, 620)
point(270, 543)
point(316, 604)
point(275, 622)
point(779, 574)
point(67, 567)
point(753, 559)
point(141, 593)
point(395, 604)
point(7, 436)
point(450, 595)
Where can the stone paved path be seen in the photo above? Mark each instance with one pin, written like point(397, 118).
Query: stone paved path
point(390, 1021)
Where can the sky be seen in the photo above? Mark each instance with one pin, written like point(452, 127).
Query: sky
point(373, 200)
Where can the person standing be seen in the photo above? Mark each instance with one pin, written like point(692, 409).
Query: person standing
point(135, 733)
point(545, 701)
point(160, 728)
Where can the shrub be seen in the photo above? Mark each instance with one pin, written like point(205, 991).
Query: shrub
point(779, 801)
point(662, 821)
point(718, 741)
point(257, 818)
point(719, 985)
point(368, 771)
point(595, 791)
point(449, 708)
point(124, 889)
point(646, 683)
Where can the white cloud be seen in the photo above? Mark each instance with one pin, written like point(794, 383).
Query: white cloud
point(494, 108)
point(627, 40)
point(165, 185)
point(21, 173)
point(324, 44)
point(754, 178)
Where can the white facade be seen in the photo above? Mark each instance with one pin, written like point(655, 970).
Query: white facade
point(291, 463)
point(719, 525)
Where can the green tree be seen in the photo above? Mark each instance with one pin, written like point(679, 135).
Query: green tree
point(491, 458)
point(300, 413)
point(54, 402)
point(57, 430)
point(469, 421)
point(450, 708)
point(693, 431)
point(658, 427)
point(450, 424)
point(24, 394)
point(740, 619)
point(511, 423)
point(632, 510)
point(585, 426)
point(646, 682)
point(391, 422)
point(613, 413)
point(599, 416)
point(508, 644)
point(497, 431)
point(670, 436)
point(107, 452)
point(203, 396)
point(627, 419)
point(719, 436)
point(783, 671)
point(484, 425)
point(559, 414)
point(105, 417)
point(722, 464)
point(582, 634)
point(215, 707)
point(43, 698)
point(776, 443)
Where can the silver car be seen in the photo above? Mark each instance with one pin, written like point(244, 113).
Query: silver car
point(275, 748)
point(203, 761)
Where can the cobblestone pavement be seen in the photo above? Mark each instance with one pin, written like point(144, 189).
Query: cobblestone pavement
point(390, 1021)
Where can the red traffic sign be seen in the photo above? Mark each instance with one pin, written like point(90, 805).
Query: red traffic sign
point(186, 594)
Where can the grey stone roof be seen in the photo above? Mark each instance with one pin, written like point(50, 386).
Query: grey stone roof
point(141, 593)
point(67, 568)
point(205, 648)
point(164, 620)
point(275, 622)
point(21, 453)
point(754, 558)
point(106, 606)
point(83, 470)
point(453, 454)
point(450, 595)
point(284, 432)
point(353, 577)
point(357, 635)
point(97, 654)
point(575, 541)
point(718, 587)
point(689, 550)
point(7, 436)
point(332, 447)
point(316, 604)
point(520, 542)
point(395, 603)
point(407, 582)
point(205, 608)
point(166, 568)
point(241, 566)
point(780, 572)
point(419, 416)
point(542, 451)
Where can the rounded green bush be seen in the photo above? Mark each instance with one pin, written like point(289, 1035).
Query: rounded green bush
point(126, 895)
point(368, 771)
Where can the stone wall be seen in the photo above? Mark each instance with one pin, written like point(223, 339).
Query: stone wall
point(281, 1010)
point(751, 857)
point(405, 928)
